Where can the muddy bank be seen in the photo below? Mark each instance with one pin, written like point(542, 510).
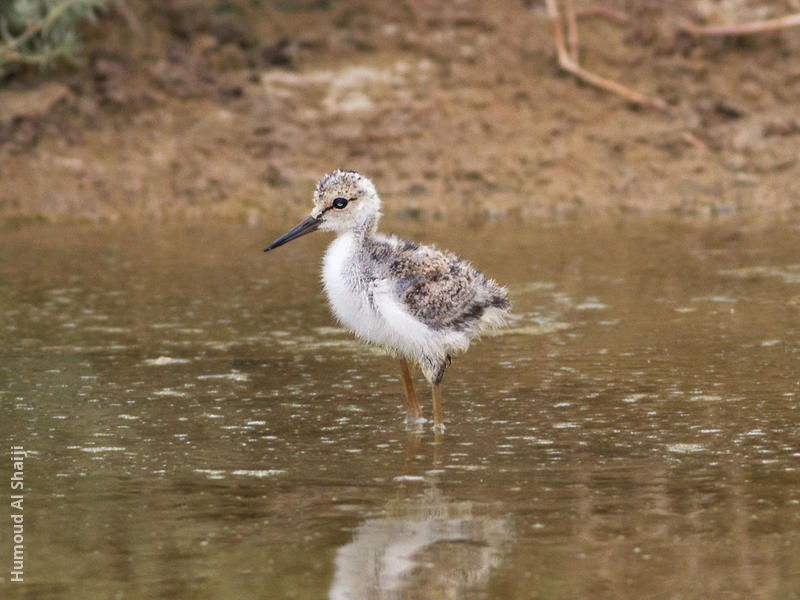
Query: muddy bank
point(202, 110)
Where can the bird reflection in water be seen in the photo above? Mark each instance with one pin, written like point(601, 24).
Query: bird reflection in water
point(426, 546)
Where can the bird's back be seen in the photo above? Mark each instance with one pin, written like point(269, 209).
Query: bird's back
point(437, 287)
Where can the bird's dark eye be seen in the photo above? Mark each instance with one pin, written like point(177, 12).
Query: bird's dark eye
point(340, 203)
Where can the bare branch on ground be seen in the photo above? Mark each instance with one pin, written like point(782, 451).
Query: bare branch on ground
point(567, 62)
point(744, 29)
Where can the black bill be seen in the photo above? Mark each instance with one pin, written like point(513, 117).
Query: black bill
point(307, 226)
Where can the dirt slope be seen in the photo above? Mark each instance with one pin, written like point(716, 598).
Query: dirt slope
point(214, 109)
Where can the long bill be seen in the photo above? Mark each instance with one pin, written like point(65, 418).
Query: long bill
point(307, 226)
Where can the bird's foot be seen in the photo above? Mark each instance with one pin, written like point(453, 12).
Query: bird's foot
point(414, 423)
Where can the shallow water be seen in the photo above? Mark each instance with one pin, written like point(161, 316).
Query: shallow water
point(197, 427)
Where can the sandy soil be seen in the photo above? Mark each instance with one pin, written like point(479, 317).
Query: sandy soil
point(210, 109)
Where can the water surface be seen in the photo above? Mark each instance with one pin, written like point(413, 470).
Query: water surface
point(198, 427)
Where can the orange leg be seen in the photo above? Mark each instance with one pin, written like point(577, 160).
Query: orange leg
point(438, 413)
point(412, 404)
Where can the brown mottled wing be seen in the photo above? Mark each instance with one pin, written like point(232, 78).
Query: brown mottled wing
point(437, 287)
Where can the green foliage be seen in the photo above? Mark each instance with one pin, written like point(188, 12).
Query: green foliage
point(41, 32)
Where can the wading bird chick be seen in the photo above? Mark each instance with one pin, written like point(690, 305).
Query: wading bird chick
point(417, 302)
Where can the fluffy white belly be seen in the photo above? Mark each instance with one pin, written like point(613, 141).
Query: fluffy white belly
point(369, 307)
point(348, 300)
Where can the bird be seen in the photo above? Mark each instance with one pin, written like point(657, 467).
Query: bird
point(420, 304)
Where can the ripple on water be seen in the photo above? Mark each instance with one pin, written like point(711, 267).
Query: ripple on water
point(102, 329)
point(232, 376)
point(716, 299)
point(165, 360)
point(258, 473)
point(685, 448)
point(591, 305)
point(169, 392)
point(787, 274)
point(212, 473)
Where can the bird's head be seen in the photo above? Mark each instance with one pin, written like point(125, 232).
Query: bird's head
point(343, 201)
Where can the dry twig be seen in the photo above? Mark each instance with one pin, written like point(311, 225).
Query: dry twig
point(601, 10)
point(746, 28)
point(572, 29)
point(569, 64)
point(694, 141)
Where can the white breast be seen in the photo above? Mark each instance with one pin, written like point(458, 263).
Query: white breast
point(344, 295)
point(367, 305)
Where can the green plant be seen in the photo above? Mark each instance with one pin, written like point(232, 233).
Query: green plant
point(41, 32)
